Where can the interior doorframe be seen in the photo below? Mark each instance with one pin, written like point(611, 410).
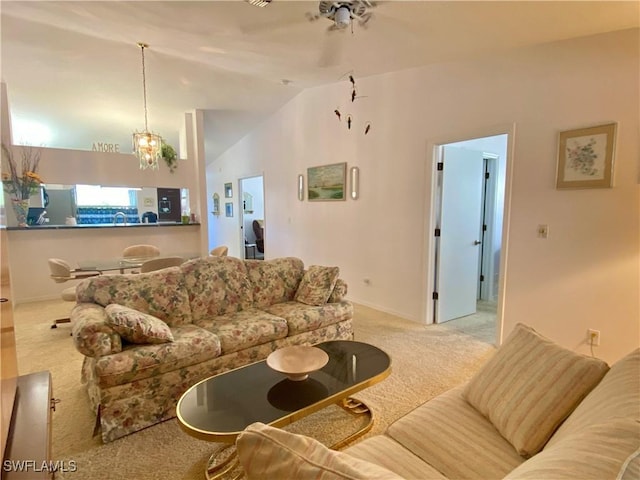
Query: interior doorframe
point(431, 217)
point(489, 214)
point(240, 210)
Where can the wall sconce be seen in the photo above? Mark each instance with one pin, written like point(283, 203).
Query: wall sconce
point(216, 204)
point(355, 182)
point(301, 187)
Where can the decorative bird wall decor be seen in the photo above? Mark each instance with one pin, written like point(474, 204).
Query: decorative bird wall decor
point(354, 96)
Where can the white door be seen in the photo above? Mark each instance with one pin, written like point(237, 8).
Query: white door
point(460, 226)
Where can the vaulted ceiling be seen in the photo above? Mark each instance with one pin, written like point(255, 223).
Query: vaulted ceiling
point(74, 68)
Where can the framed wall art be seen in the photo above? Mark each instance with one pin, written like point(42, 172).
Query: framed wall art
point(228, 190)
point(585, 157)
point(326, 183)
point(228, 209)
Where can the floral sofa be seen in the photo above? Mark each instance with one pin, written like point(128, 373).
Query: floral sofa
point(148, 337)
point(534, 411)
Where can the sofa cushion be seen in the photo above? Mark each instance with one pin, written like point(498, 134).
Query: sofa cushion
point(455, 439)
point(274, 281)
point(191, 346)
point(616, 396)
point(530, 386)
point(317, 284)
point(304, 318)
point(267, 452)
point(386, 452)
point(598, 451)
point(162, 294)
point(137, 327)
point(245, 329)
point(217, 286)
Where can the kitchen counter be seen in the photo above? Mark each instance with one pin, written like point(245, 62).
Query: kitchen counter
point(102, 225)
point(31, 247)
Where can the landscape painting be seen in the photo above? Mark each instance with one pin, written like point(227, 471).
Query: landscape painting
point(327, 182)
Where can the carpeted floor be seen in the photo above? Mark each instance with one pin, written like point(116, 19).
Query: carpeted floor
point(426, 360)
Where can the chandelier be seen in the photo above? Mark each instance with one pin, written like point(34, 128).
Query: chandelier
point(147, 146)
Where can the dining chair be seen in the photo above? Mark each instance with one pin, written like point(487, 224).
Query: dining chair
point(141, 251)
point(62, 272)
point(160, 263)
point(220, 251)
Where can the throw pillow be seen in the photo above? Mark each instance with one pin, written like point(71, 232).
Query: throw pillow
point(317, 284)
point(530, 386)
point(137, 327)
point(268, 452)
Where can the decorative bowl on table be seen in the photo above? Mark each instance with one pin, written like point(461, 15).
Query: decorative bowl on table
point(297, 361)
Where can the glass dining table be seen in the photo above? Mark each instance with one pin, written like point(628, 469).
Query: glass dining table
point(122, 264)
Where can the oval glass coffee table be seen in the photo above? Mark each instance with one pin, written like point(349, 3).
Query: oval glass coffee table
point(220, 407)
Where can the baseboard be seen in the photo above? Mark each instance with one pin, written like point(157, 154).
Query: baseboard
point(38, 299)
point(385, 310)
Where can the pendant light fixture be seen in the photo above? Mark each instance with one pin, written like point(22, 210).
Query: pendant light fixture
point(147, 146)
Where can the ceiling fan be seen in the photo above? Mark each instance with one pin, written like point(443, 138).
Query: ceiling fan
point(344, 13)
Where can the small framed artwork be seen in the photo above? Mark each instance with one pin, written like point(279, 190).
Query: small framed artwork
point(228, 190)
point(585, 157)
point(228, 209)
point(326, 183)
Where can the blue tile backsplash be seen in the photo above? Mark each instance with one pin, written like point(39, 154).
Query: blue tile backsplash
point(102, 215)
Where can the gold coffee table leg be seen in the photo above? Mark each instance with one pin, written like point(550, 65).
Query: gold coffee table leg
point(217, 470)
point(355, 407)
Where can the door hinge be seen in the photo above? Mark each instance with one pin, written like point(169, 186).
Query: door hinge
point(486, 175)
point(435, 296)
point(437, 232)
point(482, 278)
point(484, 228)
point(440, 166)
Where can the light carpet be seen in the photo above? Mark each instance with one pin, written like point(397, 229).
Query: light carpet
point(426, 361)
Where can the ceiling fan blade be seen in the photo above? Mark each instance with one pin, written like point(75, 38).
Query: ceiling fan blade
point(331, 53)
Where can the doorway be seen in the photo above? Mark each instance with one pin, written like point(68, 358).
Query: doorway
point(252, 225)
point(468, 201)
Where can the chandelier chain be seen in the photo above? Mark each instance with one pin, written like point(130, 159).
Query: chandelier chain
point(144, 88)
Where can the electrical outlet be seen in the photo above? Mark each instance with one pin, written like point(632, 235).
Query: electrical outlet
point(593, 337)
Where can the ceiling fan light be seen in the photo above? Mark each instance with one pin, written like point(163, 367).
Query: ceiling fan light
point(343, 17)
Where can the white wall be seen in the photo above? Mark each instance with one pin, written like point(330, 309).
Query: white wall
point(585, 275)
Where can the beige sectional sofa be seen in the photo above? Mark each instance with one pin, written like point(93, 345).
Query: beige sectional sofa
point(535, 411)
point(148, 337)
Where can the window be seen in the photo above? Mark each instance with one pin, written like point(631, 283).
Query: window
point(92, 195)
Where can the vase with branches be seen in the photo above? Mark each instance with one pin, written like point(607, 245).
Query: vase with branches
point(20, 179)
